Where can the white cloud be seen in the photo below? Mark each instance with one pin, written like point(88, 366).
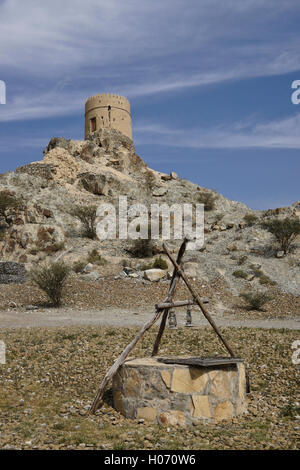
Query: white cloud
point(55, 54)
point(274, 134)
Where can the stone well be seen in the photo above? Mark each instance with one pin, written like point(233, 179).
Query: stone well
point(174, 394)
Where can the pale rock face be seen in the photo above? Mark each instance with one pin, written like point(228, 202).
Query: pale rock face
point(154, 275)
point(104, 167)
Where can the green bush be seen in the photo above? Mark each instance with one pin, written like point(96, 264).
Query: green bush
point(146, 266)
point(51, 279)
point(240, 274)
point(284, 231)
point(87, 216)
point(79, 266)
point(242, 259)
point(250, 219)
point(142, 248)
point(160, 263)
point(255, 300)
point(263, 278)
point(7, 201)
point(94, 257)
point(208, 199)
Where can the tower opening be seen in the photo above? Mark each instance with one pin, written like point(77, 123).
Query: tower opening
point(93, 126)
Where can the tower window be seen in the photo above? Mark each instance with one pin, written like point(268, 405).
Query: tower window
point(93, 124)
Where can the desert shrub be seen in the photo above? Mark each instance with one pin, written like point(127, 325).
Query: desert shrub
point(51, 279)
point(142, 248)
point(79, 266)
point(284, 231)
point(150, 178)
point(219, 217)
point(146, 266)
point(240, 274)
point(160, 263)
point(242, 259)
point(263, 278)
point(255, 300)
point(87, 216)
point(250, 219)
point(94, 257)
point(54, 247)
point(290, 410)
point(208, 199)
point(7, 201)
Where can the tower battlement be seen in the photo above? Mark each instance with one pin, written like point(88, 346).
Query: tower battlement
point(107, 110)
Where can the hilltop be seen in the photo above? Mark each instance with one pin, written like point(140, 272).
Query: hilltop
point(105, 166)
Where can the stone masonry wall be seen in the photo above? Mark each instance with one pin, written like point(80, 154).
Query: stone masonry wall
point(174, 394)
point(109, 111)
point(11, 272)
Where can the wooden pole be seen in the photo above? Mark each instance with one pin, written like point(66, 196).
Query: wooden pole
point(178, 303)
point(173, 284)
point(197, 299)
point(121, 359)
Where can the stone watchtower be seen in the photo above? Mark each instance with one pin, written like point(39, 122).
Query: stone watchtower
point(107, 110)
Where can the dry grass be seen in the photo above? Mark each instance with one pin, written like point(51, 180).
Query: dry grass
point(56, 373)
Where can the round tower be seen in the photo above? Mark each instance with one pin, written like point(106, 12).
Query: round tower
point(107, 110)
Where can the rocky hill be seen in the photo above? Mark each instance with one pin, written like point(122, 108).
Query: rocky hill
point(237, 250)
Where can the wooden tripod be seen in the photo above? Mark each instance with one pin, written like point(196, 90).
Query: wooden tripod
point(161, 309)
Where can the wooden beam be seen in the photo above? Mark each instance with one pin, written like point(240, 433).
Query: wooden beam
point(179, 303)
point(173, 286)
point(197, 299)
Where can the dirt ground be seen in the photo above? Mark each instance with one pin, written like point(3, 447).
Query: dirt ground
point(52, 375)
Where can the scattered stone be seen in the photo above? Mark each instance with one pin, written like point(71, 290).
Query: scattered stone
point(159, 192)
point(88, 268)
point(280, 254)
point(11, 272)
point(92, 276)
point(154, 275)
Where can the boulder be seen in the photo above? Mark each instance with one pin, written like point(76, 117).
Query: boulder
point(92, 276)
point(94, 183)
point(154, 275)
point(11, 272)
point(158, 192)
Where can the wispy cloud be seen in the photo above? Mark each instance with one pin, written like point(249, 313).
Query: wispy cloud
point(274, 134)
point(55, 54)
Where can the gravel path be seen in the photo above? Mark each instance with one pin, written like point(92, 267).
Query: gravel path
point(123, 317)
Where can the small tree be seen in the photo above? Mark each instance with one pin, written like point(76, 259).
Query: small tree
point(208, 199)
point(7, 201)
point(142, 248)
point(160, 263)
point(250, 219)
point(284, 230)
point(51, 279)
point(255, 300)
point(87, 216)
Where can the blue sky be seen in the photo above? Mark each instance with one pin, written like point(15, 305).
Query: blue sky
point(209, 83)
